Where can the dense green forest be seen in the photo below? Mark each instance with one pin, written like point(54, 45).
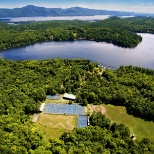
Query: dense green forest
point(121, 32)
point(24, 85)
point(133, 24)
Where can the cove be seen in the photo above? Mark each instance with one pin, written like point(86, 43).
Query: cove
point(103, 53)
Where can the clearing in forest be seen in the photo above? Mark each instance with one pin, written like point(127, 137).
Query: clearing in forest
point(66, 122)
point(139, 127)
point(96, 108)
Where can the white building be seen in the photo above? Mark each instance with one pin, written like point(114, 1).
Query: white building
point(35, 118)
point(42, 107)
point(69, 96)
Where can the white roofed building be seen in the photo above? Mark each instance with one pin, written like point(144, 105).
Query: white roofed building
point(35, 118)
point(42, 107)
point(69, 96)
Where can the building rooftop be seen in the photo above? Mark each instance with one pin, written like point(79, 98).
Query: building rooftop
point(69, 96)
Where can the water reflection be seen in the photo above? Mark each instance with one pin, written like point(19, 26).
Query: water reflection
point(104, 53)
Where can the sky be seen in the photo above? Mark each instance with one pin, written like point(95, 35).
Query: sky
point(141, 6)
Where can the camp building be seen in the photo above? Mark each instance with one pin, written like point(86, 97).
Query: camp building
point(42, 107)
point(69, 96)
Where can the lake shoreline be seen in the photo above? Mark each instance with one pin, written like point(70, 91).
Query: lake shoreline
point(105, 54)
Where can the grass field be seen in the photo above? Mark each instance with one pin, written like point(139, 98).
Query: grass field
point(50, 133)
point(137, 126)
point(54, 126)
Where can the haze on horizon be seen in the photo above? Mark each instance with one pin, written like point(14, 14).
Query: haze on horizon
point(138, 6)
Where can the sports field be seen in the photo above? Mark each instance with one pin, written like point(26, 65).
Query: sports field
point(58, 121)
point(53, 126)
point(82, 121)
point(64, 109)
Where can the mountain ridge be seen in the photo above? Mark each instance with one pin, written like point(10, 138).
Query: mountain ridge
point(32, 11)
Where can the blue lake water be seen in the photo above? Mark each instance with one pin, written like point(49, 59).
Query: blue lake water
point(104, 53)
point(14, 20)
point(84, 18)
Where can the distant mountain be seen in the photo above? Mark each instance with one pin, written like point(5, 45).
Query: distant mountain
point(33, 11)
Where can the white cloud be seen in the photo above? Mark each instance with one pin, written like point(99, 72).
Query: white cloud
point(144, 9)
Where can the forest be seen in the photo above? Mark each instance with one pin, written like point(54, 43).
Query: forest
point(121, 32)
point(24, 85)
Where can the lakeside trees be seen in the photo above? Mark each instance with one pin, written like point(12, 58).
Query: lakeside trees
point(28, 82)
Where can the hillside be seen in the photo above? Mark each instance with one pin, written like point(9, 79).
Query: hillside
point(24, 85)
point(33, 11)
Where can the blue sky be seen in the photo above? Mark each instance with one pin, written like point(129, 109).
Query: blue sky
point(145, 6)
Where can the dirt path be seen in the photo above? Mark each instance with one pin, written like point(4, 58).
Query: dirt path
point(101, 109)
point(91, 110)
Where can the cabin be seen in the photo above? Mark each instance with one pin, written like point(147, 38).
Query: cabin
point(69, 96)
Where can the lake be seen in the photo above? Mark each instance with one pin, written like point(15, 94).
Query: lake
point(84, 18)
point(104, 53)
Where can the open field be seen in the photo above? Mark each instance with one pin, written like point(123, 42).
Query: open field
point(54, 126)
point(50, 133)
point(137, 126)
point(96, 108)
point(58, 121)
point(141, 129)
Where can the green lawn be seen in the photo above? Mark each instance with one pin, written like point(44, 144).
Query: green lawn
point(50, 133)
point(53, 126)
point(139, 127)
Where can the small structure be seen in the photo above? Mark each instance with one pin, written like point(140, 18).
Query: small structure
point(133, 137)
point(42, 107)
point(69, 96)
point(88, 122)
point(35, 118)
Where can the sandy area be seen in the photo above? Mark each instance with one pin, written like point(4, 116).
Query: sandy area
point(101, 109)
